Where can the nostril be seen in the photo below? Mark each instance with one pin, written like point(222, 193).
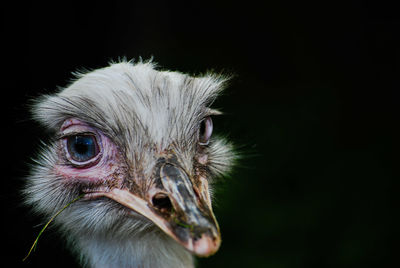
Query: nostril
point(162, 202)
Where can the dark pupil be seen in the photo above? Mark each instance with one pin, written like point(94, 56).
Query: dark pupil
point(82, 148)
point(202, 129)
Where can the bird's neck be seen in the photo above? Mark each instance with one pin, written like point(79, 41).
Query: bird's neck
point(141, 251)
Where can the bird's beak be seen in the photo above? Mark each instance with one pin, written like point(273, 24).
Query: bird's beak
point(179, 206)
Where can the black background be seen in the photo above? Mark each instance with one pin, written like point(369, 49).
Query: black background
point(313, 108)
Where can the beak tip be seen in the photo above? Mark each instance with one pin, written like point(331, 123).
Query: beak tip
point(206, 246)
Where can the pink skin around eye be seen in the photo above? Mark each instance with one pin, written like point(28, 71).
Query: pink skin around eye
point(107, 168)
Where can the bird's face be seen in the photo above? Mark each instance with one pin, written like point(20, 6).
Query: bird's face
point(178, 203)
point(137, 151)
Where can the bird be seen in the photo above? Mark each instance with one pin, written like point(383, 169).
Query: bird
point(130, 151)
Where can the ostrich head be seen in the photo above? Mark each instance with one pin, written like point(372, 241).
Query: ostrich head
point(137, 144)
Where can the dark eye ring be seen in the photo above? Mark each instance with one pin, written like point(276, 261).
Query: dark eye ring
point(82, 149)
point(206, 128)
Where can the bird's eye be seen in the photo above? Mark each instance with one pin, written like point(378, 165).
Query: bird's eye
point(82, 148)
point(206, 128)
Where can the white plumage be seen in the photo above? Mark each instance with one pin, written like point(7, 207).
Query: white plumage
point(136, 142)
